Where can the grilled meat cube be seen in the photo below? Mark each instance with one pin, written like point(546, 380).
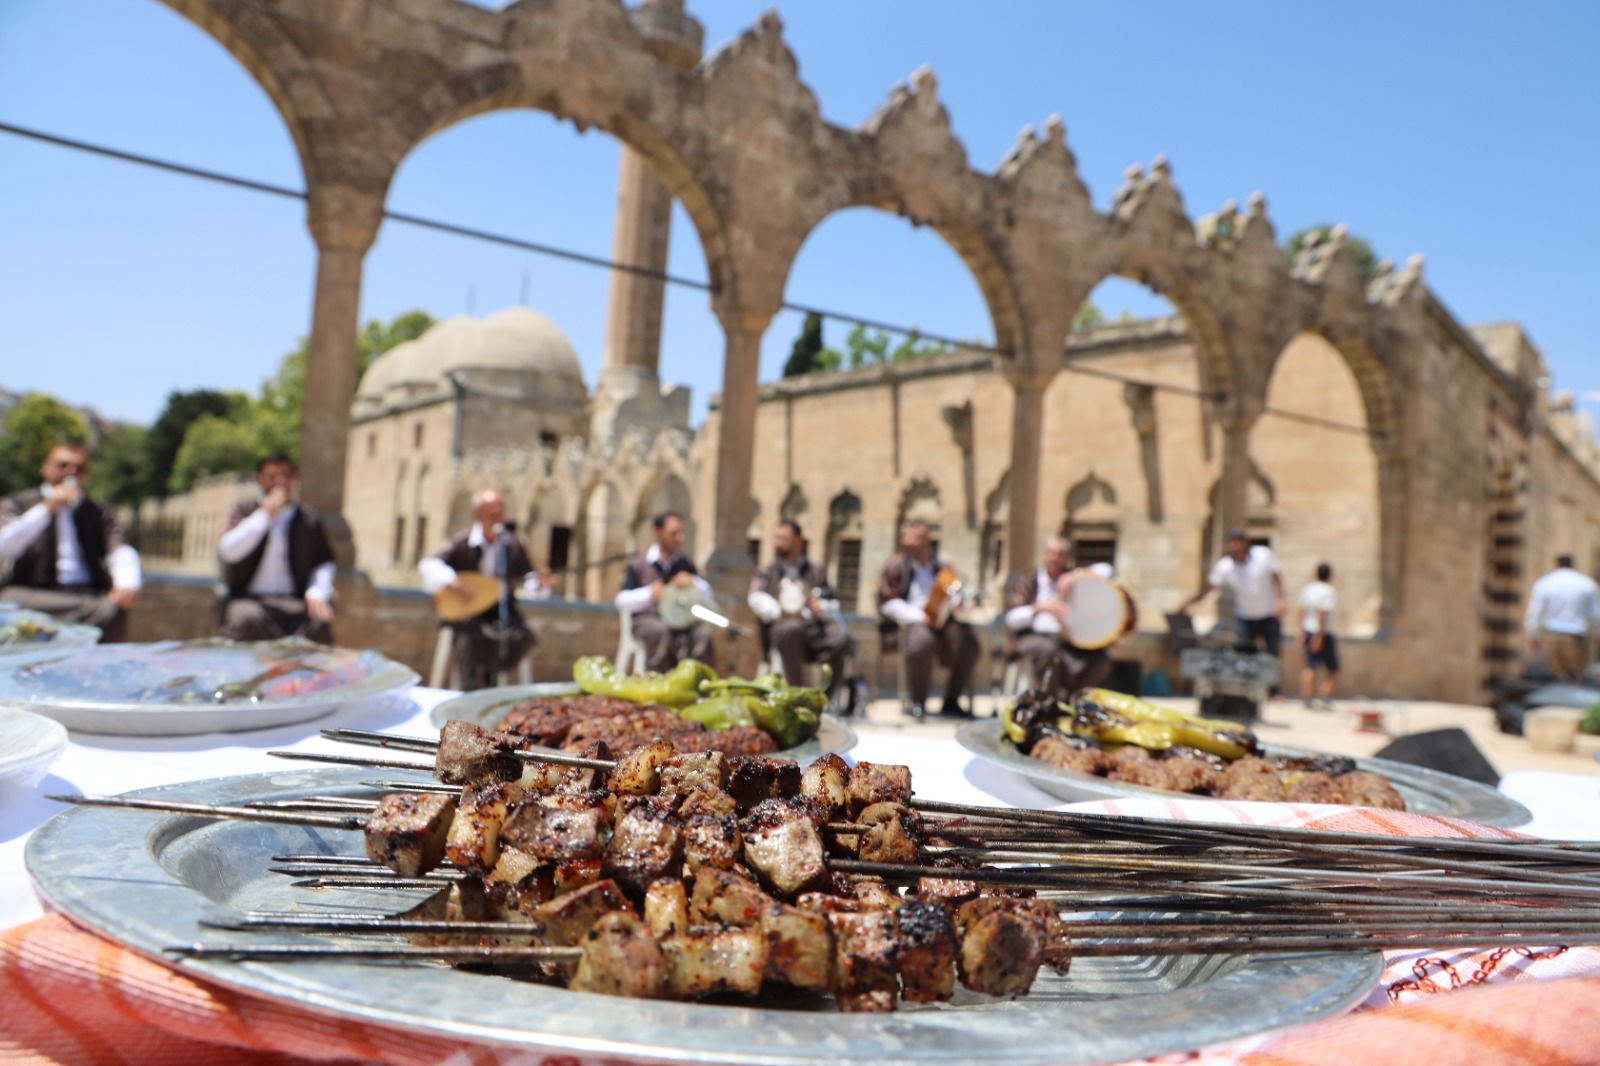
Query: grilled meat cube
point(1068, 753)
point(703, 961)
point(577, 780)
point(1057, 938)
point(518, 884)
point(472, 755)
point(724, 898)
point(541, 778)
point(874, 895)
point(1192, 775)
point(707, 800)
point(827, 782)
point(575, 874)
point(621, 958)
point(954, 890)
point(646, 845)
point(1312, 787)
point(926, 951)
point(799, 945)
point(666, 906)
point(755, 778)
point(683, 773)
point(638, 773)
point(878, 783)
point(873, 1001)
point(407, 832)
point(864, 946)
point(711, 842)
point(1252, 778)
point(473, 843)
point(467, 901)
point(569, 916)
point(1002, 946)
point(1362, 788)
point(893, 836)
point(784, 847)
point(556, 833)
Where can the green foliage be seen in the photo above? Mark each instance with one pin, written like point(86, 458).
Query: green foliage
point(1087, 318)
point(120, 471)
point(1591, 721)
point(38, 424)
point(1366, 258)
point(864, 347)
point(183, 410)
point(216, 445)
point(807, 346)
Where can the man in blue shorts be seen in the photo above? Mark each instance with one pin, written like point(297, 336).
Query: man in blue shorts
point(1317, 601)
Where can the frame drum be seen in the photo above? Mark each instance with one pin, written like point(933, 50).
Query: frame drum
point(1099, 612)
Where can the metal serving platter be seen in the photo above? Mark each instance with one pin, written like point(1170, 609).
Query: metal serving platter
point(1425, 791)
point(67, 638)
point(129, 689)
point(488, 706)
point(143, 879)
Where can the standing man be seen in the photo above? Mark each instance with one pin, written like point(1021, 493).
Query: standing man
point(1251, 572)
point(649, 576)
point(1317, 601)
point(67, 555)
point(476, 645)
point(1036, 613)
point(1563, 619)
point(795, 604)
point(903, 592)
point(277, 563)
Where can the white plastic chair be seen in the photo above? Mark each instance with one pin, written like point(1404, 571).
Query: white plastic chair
point(441, 673)
point(1019, 676)
point(630, 655)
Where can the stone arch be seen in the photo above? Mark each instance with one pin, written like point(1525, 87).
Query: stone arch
point(665, 491)
point(794, 504)
point(1092, 520)
point(1222, 374)
point(842, 545)
point(920, 499)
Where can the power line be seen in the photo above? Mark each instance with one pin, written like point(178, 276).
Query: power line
point(586, 259)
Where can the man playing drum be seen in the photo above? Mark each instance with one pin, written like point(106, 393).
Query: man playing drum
point(792, 599)
point(647, 579)
point(1037, 613)
point(910, 582)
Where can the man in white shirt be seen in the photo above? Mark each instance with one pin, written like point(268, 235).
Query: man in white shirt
point(647, 579)
point(904, 592)
point(1317, 602)
point(66, 553)
point(1251, 573)
point(1563, 619)
point(1035, 613)
point(277, 563)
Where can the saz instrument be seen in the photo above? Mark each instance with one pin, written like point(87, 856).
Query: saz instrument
point(1100, 611)
point(943, 599)
point(484, 593)
point(676, 607)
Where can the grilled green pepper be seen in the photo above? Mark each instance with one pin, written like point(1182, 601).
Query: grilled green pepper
point(1226, 739)
point(722, 711)
point(789, 714)
point(679, 687)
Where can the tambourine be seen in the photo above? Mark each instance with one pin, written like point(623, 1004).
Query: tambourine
point(1100, 610)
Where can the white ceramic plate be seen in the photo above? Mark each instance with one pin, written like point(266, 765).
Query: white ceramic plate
point(29, 743)
point(66, 638)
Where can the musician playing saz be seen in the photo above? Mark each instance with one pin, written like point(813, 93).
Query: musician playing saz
point(1036, 613)
point(475, 647)
point(647, 579)
point(908, 583)
point(796, 606)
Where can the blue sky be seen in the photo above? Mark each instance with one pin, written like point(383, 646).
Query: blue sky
point(1467, 131)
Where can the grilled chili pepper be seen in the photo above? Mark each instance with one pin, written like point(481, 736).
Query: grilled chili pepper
point(723, 711)
point(789, 714)
point(1226, 739)
point(679, 687)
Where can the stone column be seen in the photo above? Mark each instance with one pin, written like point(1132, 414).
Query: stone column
point(1392, 517)
point(1234, 484)
point(1027, 441)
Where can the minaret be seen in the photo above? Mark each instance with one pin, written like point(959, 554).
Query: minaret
point(629, 390)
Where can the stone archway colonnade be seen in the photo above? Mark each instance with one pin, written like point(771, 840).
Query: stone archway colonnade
point(740, 141)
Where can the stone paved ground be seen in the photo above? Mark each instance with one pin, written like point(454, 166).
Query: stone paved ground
point(1337, 731)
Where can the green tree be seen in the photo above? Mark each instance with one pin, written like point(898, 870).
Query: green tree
point(120, 472)
point(1366, 258)
point(216, 445)
point(36, 425)
point(807, 347)
point(1087, 318)
point(184, 409)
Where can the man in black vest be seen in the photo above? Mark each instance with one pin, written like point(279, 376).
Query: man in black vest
point(903, 592)
point(277, 563)
point(1035, 616)
point(790, 598)
point(66, 553)
point(476, 645)
point(648, 576)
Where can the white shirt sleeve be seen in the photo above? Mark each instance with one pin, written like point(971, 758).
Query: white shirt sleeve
point(1535, 616)
point(1268, 557)
point(436, 573)
point(1219, 573)
point(535, 589)
point(123, 563)
point(634, 600)
point(1020, 618)
point(243, 538)
point(765, 606)
point(23, 530)
point(705, 588)
point(899, 610)
point(321, 587)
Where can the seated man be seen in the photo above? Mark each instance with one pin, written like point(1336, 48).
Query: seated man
point(67, 555)
point(476, 645)
point(1036, 612)
point(903, 593)
point(277, 563)
point(789, 598)
point(649, 576)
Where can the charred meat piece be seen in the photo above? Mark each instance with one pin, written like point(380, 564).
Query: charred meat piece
point(740, 740)
point(878, 783)
point(1002, 946)
point(624, 732)
point(827, 782)
point(1312, 787)
point(799, 945)
point(646, 845)
point(1191, 775)
point(568, 917)
point(724, 898)
point(666, 907)
point(1362, 788)
point(1134, 766)
point(864, 946)
point(557, 834)
point(707, 800)
point(407, 832)
point(753, 779)
point(893, 835)
point(578, 780)
point(784, 847)
point(547, 719)
point(711, 842)
point(621, 958)
point(470, 755)
point(638, 773)
point(703, 961)
point(574, 874)
point(926, 953)
point(474, 840)
point(954, 890)
point(517, 886)
point(1069, 753)
point(684, 773)
point(1252, 778)
point(874, 894)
